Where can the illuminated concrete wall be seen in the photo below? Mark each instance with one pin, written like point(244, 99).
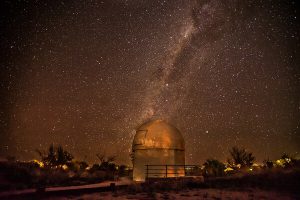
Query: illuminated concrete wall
point(157, 157)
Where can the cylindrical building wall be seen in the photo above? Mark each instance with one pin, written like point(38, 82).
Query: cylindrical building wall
point(156, 157)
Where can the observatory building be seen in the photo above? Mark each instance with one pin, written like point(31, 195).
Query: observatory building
point(158, 151)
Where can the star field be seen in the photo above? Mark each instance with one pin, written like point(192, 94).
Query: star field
point(86, 74)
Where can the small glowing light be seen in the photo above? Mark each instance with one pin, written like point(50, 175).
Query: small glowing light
point(256, 165)
point(41, 164)
point(280, 162)
point(65, 167)
point(228, 169)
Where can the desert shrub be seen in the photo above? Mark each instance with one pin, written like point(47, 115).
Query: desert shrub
point(213, 167)
point(122, 170)
point(268, 164)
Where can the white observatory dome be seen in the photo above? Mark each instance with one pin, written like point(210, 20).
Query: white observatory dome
point(158, 134)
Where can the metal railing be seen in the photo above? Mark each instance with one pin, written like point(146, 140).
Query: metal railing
point(170, 171)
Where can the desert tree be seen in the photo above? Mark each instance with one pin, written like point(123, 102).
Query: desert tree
point(63, 156)
point(288, 161)
point(213, 167)
point(55, 156)
point(239, 156)
point(268, 163)
point(106, 162)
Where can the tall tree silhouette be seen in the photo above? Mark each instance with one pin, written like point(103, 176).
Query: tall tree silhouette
point(55, 156)
point(241, 157)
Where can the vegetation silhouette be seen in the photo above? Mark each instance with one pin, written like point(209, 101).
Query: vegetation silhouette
point(106, 162)
point(56, 156)
point(268, 164)
point(240, 158)
point(213, 167)
point(58, 167)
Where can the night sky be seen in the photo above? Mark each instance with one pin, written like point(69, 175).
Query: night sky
point(85, 74)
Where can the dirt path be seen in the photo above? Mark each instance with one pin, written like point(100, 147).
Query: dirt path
point(66, 189)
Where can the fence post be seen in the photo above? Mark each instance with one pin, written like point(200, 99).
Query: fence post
point(166, 171)
point(146, 171)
